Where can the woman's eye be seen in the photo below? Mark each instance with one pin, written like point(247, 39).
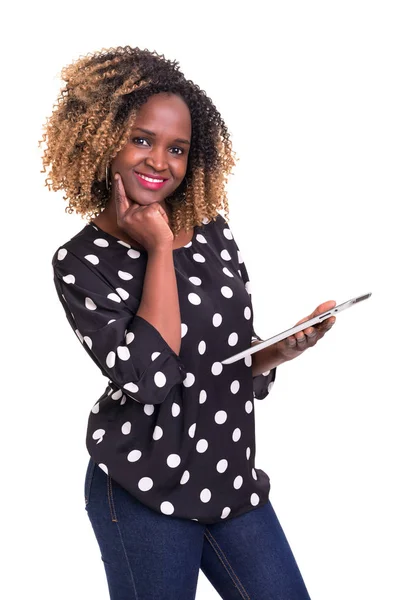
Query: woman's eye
point(138, 140)
point(179, 151)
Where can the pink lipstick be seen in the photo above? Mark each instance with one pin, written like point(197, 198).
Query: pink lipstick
point(150, 182)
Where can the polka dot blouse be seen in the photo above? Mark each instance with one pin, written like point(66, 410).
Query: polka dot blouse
point(176, 431)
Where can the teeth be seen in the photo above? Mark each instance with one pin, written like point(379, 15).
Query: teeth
point(150, 179)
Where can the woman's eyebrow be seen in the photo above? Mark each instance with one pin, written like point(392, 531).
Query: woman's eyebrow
point(181, 141)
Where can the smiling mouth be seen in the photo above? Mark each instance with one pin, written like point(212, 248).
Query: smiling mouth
point(150, 179)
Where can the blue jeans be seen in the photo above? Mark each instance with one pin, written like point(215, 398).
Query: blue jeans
point(149, 556)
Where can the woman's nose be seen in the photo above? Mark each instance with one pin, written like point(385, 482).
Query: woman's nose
point(157, 159)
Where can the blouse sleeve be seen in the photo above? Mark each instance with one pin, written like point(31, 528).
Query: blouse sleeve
point(262, 384)
point(129, 350)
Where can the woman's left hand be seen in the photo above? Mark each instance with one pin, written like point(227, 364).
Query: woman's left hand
point(295, 345)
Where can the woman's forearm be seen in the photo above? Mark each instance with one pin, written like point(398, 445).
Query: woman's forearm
point(160, 301)
point(266, 359)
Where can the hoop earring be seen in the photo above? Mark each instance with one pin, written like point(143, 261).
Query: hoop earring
point(107, 182)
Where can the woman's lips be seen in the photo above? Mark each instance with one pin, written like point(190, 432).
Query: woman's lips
point(150, 183)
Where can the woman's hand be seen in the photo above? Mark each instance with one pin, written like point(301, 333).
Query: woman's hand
point(295, 345)
point(149, 225)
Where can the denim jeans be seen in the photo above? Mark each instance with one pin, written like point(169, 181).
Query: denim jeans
point(150, 556)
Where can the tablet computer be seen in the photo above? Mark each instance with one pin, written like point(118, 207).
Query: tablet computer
point(297, 328)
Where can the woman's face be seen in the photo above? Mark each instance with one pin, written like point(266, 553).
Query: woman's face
point(158, 149)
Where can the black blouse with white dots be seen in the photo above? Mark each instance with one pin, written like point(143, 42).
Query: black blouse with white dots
point(176, 431)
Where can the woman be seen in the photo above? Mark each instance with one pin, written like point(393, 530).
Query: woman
point(155, 288)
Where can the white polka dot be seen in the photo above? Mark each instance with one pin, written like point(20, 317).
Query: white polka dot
point(157, 433)
point(225, 255)
point(123, 353)
point(202, 446)
point(216, 368)
point(123, 400)
point(155, 355)
point(101, 242)
point(270, 385)
point(247, 452)
point(98, 435)
point(220, 417)
point(233, 339)
point(205, 495)
point(266, 373)
point(217, 320)
point(227, 272)
point(225, 512)
point(117, 395)
point(123, 293)
point(90, 305)
point(202, 396)
point(192, 430)
point(69, 279)
point(167, 508)
point(185, 477)
point(134, 455)
point(200, 238)
point(235, 385)
point(145, 484)
point(160, 379)
point(126, 428)
point(78, 333)
point(189, 380)
point(205, 220)
point(92, 258)
point(88, 341)
point(222, 465)
point(227, 233)
point(194, 298)
point(114, 297)
point(199, 258)
point(201, 347)
point(253, 472)
point(123, 243)
point(238, 482)
point(184, 329)
point(124, 275)
point(226, 291)
point(247, 313)
point(62, 253)
point(110, 360)
point(129, 337)
point(248, 406)
point(195, 280)
point(248, 361)
point(173, 460)
point(240, 259)
point(131, 387)
point(248, 287)
point(236, 434)
point(255, 499)
point(148, 409)
point(95, 408)
point(103, 468)
point(175, 409)
point(133, 253)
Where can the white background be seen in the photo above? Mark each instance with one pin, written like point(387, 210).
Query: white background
point(310, 93)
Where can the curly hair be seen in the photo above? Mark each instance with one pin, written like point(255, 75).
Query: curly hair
point(92, 120)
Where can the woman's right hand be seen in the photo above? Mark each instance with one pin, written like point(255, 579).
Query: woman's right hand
point(149, 225)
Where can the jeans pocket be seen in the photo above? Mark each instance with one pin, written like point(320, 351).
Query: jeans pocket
point(88, 480)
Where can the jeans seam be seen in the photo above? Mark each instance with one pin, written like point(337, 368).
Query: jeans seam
point(111, 500)
point(127, 561)
point(232, 574)
point(88, 481)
